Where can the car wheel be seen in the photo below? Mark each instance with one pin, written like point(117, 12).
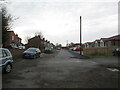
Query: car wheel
point(8, 68)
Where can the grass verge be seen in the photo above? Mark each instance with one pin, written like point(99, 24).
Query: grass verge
point(101, 56)
point(16, 57)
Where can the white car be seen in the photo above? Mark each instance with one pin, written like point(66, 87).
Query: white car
point(21, 47)
point(6, 60)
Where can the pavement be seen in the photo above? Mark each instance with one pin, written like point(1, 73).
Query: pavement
point(60, 69)
point(108, 62)
point(77, 54)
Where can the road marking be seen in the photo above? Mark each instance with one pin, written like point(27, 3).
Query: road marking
point(113, 69)
point(75, 61)
point(94, 62)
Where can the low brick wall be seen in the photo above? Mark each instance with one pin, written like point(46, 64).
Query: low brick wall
point(16, 52)
point(99, 51)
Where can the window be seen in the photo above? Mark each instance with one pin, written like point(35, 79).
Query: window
point(5, 53)
point(8, 54)
point(12, 37)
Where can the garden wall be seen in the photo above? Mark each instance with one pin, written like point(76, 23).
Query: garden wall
point(16, 52)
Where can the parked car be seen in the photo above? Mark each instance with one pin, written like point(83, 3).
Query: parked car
point(58, 48)
point(32, 53)
point(21, 47)
point(79, 49)
point(116, 52)
point(6, 60)
point(74, 48)
point(48, 50)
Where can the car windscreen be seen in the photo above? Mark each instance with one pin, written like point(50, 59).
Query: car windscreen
point(31, 50)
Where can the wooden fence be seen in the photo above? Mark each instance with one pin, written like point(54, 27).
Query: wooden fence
point(99, 51)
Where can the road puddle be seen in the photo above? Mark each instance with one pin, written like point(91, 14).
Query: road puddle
point(113, 69)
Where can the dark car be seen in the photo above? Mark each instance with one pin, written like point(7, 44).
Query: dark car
point(32, 53)
point(116, 52)
point(6, 60)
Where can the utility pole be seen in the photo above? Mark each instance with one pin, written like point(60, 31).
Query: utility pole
point(80, 36)
point(67, 43)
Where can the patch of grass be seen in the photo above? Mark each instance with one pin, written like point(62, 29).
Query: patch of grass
point(17, 57)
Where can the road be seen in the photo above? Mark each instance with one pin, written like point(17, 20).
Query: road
point(59, 70)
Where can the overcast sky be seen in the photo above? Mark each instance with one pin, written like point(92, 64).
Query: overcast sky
point(59, 21)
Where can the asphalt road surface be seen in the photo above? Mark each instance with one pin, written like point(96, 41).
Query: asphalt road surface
point(59, 70)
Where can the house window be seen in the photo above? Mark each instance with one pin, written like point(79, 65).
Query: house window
point(12, 37)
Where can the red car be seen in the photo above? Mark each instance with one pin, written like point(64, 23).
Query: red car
point(79, 49)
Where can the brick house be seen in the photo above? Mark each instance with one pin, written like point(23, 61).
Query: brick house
point(13, 39)
point(104, 42)
point(110, 42)
point(114, 41)
point(37, 42)
point(97, 43)
point(103, 46)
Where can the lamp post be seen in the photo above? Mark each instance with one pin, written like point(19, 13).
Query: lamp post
point(80, 36)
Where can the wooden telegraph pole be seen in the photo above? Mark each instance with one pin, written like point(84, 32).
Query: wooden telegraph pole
point(80, 36)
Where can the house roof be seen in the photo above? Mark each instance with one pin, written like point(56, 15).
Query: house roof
point(98, 40)
point(116, 37)
point(34, 37)
point(90, 42)
point(19, 38)
point(78, 44)
point(105, 39)
point(10, 32)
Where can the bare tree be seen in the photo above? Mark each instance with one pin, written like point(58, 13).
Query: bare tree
point(27, 38)
point(7, 22)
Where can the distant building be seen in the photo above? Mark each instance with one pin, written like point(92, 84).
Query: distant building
point(76, 45)
point(39, 42)
point(89, 44)
point(110, 42)
point(104, 42)
point(13, 39)
point(97, 43)
point(35, 42)
point(114, 41)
